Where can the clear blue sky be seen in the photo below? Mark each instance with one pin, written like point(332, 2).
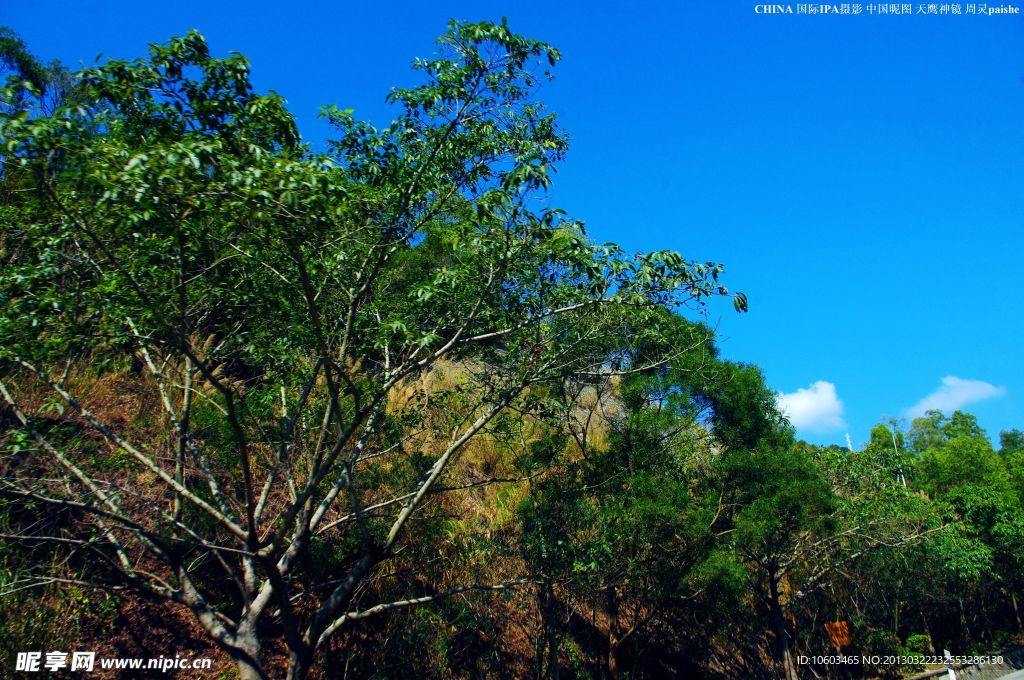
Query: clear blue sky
point(861, 177)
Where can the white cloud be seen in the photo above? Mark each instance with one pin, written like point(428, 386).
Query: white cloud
point(816, 408)
point(955, 393)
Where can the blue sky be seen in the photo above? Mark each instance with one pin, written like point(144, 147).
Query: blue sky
point(861, 177)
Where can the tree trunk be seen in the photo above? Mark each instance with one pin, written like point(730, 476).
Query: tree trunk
point(548, 644)
point(301, 659)
point(1016, 610)
point(296, 666)
point(779, 628)
point(247, 656)
point(614, 632)
point(963, 619)
point(554, 670)
point(928, 632)
point(247, 671)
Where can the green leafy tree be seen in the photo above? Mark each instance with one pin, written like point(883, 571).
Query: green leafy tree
point(979, 484)
point(1011, 442)
point(926, 431)
point(783, 503)
point(37, 86)
point(628, 529)
point(963, 459)
point(275, 302)
point(745, 414)
point(804, 515)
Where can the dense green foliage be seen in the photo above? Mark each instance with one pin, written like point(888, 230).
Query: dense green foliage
point(381, 409)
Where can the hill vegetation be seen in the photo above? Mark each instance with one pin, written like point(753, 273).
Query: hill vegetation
point(382, 412)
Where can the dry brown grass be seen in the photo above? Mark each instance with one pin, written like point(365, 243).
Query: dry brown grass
point(128, 401)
